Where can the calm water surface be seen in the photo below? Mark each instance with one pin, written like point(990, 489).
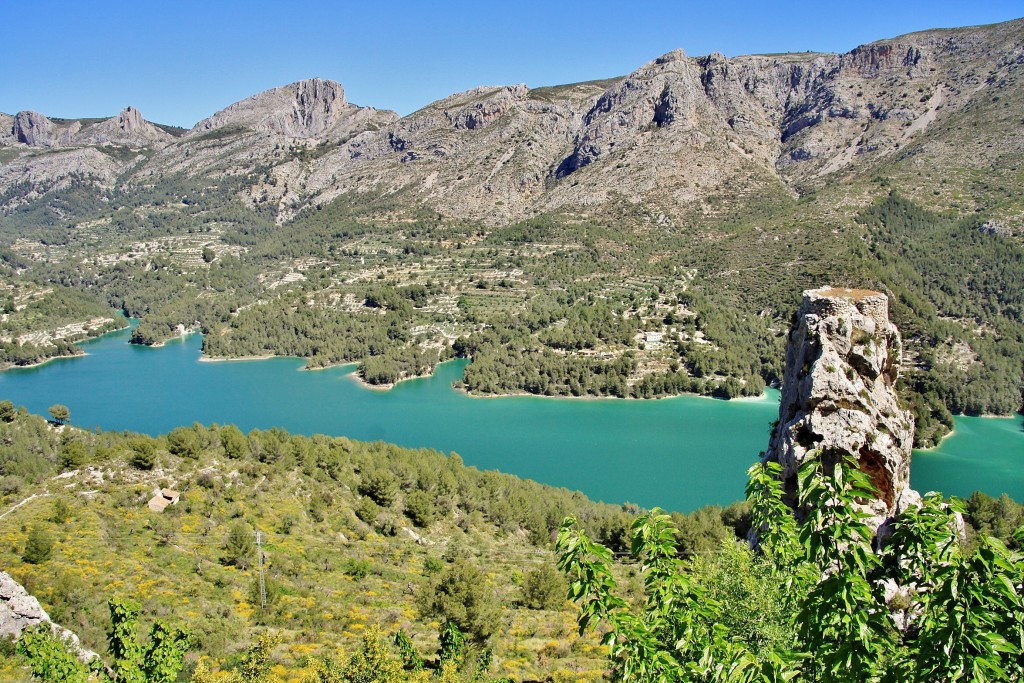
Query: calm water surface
point(679, 453)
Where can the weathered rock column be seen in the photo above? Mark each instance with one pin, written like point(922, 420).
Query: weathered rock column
point(838, 397)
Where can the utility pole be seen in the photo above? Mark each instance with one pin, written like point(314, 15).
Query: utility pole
point(259, 564)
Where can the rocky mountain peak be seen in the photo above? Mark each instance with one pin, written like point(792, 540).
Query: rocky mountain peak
point(673, 56)
point(34, 129)
point(838, 398)
point(128, 128)
point(130, 120)
point(304, 109)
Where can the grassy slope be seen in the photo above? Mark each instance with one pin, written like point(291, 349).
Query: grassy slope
point(330, 574)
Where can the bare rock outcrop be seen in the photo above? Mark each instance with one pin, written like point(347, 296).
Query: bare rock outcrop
point(127, 128)
point(34, 129)
point(20, 611)
point(59, 169)
point(6, 129)
point(838, 397)
point(305, 109)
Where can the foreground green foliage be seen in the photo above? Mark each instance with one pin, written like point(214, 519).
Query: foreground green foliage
point(55, 661)
point(920, 608)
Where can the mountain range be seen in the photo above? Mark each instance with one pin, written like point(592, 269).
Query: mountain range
point(670, 134)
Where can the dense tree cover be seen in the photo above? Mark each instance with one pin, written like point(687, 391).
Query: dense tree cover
point(818, 600)
point(533, 352)
point(163, 294)
point(8, 413)
point(958, 297)
point(997, 517)
point(528, 353)
point(44, 310)
point(52, 307)
point(46, 217)
point(13, 353)
point(551, 305)
point(379, 337)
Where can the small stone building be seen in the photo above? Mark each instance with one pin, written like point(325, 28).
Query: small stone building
point(162, 499)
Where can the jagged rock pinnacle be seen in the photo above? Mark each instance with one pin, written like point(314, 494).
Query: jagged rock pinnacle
point(838, 396)
point(130, 120)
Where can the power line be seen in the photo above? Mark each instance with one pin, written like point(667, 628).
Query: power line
point(259, 563)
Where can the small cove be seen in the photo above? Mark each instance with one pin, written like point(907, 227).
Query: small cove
point(679, 453)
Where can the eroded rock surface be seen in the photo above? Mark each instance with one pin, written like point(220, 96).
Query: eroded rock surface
point(678, 134)
point(838, 396)
point(304, 109)
point(20, 611)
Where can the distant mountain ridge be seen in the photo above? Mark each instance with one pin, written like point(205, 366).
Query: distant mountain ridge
point(127, 128)
point(671, 133)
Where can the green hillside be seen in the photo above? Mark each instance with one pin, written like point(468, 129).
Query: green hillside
point(356, 535)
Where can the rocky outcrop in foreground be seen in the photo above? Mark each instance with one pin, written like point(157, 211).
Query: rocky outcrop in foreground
point(20, 611)
point(838, 397)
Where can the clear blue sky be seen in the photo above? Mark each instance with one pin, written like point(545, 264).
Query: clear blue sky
point(178, 62)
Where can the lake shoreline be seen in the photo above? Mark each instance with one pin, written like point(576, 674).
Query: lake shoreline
point(88, 338)
point(39, 364)
point(203, 358)
point(176, 338)
point(679, 454)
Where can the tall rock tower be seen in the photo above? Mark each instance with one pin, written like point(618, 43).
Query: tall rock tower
point(838, 397)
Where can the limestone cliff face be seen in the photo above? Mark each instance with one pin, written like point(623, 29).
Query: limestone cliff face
point(842, 360)
point(20, 611)
point(312, 108)
point(33, 129)
point(127, 128)
point(677, 134)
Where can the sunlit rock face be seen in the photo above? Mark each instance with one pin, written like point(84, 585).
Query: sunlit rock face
point(838, 396)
